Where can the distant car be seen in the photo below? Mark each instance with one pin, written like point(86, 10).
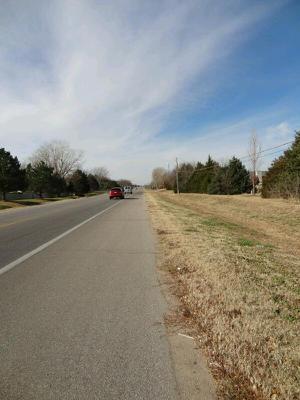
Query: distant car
point(116, 193)
point(127, 189)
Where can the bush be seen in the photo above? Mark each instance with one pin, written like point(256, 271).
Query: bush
point(283, 177)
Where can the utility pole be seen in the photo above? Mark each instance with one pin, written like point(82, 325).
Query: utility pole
point(177, 182)
point(254, 154)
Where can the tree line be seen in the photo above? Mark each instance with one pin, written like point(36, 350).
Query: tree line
point(54, 169)
point(281, 180)
point(210, 177)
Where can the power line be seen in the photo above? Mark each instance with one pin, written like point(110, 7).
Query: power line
point(245, 158)
point(270, 154)
point(268, 149)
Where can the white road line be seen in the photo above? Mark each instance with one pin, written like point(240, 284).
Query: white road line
point(13, 264)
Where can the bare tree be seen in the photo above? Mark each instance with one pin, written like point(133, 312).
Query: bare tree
point(100, 173)
point(125, 182)
point(254, 151)
point(59, 156)
point(158, 177)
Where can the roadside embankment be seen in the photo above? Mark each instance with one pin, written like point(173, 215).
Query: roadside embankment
point(234, 261)
point(30, 202)
point(4, 205)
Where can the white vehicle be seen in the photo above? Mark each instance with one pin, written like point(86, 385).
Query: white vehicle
point(127, 189)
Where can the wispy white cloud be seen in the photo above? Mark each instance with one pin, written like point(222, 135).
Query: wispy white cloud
point(280, 131)
point(221, 140)
point(106, 75)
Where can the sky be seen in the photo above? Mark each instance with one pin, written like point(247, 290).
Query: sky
point(135, 84)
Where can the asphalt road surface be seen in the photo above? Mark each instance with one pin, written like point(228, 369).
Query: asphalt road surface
point(82, 319)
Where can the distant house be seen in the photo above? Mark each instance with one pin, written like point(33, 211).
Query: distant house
point(260, 175)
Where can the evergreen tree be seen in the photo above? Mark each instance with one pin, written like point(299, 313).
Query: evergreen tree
point(39, 177)
point(80, 182)
point(58, 185)
point(93, 183)
point(220, 183)
point(202, 177)
point(70, 187)
point(238, 177)
point(233, 178)
point(283, 177)
point(194, 183)
point(184, 173)
point(12, 177)
point(110, 183)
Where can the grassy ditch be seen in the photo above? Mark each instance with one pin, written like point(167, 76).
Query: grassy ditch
point(235, 265)
point(38, 201)
point(30, 202)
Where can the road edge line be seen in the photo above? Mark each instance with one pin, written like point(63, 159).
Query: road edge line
point(26, 256)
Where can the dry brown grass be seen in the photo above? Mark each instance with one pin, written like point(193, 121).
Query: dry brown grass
point(8, 204)
point(236, 261)
point(4, 205)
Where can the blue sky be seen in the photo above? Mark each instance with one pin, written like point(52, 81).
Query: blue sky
point(144, 82)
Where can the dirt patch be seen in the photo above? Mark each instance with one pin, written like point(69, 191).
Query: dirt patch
point(237, 278)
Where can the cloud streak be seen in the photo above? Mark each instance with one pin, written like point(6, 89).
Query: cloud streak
point(107, 76)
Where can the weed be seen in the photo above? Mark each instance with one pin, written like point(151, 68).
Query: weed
point(246, 242)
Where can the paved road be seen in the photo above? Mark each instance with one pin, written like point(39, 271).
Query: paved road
point(82, 319)
point(24, 229)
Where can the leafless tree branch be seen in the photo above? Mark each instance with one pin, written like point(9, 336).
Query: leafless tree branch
point(58, 155)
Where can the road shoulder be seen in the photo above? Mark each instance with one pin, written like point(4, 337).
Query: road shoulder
point(190, 365)
point(192, 374)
